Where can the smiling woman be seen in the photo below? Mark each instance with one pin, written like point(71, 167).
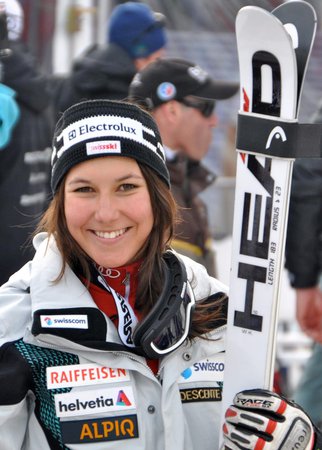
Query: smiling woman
point(108, 209)
point(112, 329)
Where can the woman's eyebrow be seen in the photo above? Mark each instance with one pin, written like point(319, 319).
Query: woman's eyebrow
point(120, 179)
point(130, 175)
point(78, 180)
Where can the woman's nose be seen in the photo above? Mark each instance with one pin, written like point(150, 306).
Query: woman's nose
point(106, 208)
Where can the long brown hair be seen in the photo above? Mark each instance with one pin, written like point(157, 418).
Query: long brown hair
point(150, 280)
point(164, 210)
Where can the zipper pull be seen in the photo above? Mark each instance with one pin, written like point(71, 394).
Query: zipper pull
point(126, 279)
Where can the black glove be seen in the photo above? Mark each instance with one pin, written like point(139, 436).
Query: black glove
point(262, 420)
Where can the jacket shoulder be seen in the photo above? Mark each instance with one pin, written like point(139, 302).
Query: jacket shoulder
point(201, 282)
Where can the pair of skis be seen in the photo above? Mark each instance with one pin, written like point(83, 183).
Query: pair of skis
point(273, 50)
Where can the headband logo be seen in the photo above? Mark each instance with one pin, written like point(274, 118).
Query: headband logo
point(105, 134)
point(72, 135)
point(98, 128)
point(99, 147)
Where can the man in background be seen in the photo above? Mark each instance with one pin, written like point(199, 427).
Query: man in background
point(135, 37)
point(181, 96)
point(304, 264)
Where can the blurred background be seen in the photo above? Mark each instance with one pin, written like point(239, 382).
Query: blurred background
point(58, 31)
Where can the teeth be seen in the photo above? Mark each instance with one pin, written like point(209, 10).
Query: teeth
point(110, 235)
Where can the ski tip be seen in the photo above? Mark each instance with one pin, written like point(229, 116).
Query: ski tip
point(299, 9)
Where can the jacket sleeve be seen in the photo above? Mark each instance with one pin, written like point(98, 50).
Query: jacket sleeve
point(15, 382)
point(15, 305)
point(304, 234)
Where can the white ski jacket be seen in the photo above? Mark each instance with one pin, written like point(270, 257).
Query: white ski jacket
point(76, 387)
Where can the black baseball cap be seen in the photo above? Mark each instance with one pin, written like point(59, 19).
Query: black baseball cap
point(174, 79)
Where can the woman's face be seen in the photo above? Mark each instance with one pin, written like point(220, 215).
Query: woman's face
point(108, 209)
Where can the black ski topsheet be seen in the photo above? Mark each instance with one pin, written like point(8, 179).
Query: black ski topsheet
point(299, 19)
point(270, 88)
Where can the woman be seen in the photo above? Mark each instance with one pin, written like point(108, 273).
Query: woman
point(109, 339)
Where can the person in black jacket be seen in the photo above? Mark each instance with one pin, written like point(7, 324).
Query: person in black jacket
point(25, 159)
point(135, 37)
point(304, 264)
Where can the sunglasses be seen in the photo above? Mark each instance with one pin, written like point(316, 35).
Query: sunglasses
point(206, 107)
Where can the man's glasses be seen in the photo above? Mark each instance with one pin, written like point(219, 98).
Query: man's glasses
point(206, 107)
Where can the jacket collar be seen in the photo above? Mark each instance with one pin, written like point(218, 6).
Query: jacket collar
point(181, 168)
point(68, 299)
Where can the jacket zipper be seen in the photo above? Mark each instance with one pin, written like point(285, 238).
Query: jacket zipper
point(130, 356)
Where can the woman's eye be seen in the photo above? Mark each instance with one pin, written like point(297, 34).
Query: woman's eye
point(83, 189)
point(127, 187)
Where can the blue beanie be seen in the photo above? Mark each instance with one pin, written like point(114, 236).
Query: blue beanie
point(137, 29)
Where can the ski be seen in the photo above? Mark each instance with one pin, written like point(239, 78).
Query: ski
point(273, 52)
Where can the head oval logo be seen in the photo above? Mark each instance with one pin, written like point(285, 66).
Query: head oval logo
point(166, 91)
